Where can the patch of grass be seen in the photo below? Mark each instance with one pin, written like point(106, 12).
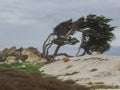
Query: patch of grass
point(93, 70)
point(73, 73)
point(101, 85)
point(90, 83)
point(70, 81)
point(66, 59)
point(92, 58)
point(69, 66)
point(26, 67)
point(95, 58)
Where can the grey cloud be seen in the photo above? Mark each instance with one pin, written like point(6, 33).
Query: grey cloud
point(28, 22)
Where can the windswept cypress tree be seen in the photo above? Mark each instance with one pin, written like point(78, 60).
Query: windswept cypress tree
point(96, 36)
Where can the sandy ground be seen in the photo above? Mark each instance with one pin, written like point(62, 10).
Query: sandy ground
point(86, 69)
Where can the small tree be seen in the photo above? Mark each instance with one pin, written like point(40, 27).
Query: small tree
point(96, 36)
point(62, 36)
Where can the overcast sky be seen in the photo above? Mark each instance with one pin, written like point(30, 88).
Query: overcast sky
point(28, 22)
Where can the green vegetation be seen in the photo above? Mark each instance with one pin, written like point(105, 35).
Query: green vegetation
point(26, 67)
point(23, 57)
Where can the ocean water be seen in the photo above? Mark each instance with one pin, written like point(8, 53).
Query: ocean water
point(114, 51)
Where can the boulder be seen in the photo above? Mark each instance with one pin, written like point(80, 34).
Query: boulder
point(9, 51)
point(31, 56)
point(10, 59)
point(34, 51)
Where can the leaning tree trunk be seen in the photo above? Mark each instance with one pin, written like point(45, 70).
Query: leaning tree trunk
point(64, 54)
point(45, 45)
point(83, 53)
point(77, 54)
point(82, 45)
point(86, 51)
point(52, 57)
point(55, 53)
point(47, 49)
point(58, 47)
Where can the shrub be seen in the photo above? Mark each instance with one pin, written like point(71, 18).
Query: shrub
point(66, 59)
point(23, 57)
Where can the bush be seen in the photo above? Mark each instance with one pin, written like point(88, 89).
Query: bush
point(23, 57)
point(66, 59)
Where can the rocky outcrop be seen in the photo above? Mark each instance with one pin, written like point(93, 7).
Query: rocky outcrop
point(11, 55)
point(10, 59)
point(32, 57)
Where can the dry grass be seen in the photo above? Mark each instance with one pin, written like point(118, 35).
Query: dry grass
point(11, 79)
point(69, 66)
point(102, 85)
point(65, 59)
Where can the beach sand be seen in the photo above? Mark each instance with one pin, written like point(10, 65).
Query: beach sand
point(87, 69)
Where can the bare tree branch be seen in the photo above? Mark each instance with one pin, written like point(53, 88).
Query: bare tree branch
point(55, 53)
point(47, 52)
point(44, 44)
point(64, 54)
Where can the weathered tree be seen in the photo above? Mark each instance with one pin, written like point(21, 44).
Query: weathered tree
point(62, 33)
point(96, 36)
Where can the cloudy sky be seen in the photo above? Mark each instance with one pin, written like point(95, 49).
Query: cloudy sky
point(28, 22)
